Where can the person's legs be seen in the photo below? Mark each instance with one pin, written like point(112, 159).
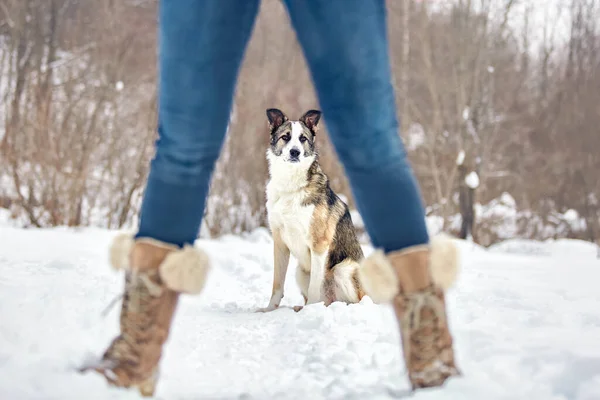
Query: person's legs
point(345, 44)
point(201, 46)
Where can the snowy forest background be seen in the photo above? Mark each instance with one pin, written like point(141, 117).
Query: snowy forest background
point(509, 87)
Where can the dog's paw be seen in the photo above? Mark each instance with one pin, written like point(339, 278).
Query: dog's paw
point(298, 308)
point(267, 309)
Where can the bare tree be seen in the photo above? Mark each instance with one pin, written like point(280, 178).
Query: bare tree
point(78, 112)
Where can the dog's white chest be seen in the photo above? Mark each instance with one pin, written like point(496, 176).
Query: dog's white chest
point(292, 219)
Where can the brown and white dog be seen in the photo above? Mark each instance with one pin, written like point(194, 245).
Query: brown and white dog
point(307, 219)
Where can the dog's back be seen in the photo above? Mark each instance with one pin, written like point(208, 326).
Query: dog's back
point(333, 234)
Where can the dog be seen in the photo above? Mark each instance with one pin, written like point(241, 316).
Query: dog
point(307, 219)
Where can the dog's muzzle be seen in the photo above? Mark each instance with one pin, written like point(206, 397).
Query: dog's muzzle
point(294, 155)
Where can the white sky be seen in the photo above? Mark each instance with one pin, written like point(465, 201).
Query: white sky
point(551, 15)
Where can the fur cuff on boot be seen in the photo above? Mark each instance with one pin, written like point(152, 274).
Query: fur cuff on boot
point(183, 270)
point(381, 283)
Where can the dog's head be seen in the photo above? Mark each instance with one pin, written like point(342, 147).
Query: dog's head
point(293, 141)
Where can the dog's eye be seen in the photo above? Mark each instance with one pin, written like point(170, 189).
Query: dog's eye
point(302, 139)
point(286, 138)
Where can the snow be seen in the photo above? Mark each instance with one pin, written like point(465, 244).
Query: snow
point(556, 249)
point(415, 136)
point(460, 159)
point(501, 219)
point(525, 326)
point(357, 220)
point(472, 180)
point(465, 113)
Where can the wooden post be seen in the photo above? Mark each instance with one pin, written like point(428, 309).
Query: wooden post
point(468, 181)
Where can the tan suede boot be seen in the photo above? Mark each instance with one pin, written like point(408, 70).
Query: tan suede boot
point(155, 275)
point(415, 280)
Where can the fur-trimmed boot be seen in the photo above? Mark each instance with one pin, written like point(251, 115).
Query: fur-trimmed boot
point(414, 280)
point(156, 274)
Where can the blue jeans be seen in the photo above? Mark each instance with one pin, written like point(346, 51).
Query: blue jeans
point(201, 46)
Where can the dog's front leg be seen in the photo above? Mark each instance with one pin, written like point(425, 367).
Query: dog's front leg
point(317, 276)
point(281, 258)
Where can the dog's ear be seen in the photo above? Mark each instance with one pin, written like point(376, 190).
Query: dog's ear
point(276, 118)
point(311, 120)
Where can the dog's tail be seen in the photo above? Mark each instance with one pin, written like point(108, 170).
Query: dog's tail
point(347, 285)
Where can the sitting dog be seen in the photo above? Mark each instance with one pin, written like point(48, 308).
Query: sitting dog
point(307, 219)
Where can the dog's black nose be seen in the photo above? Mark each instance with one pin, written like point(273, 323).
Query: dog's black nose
point(294, 153)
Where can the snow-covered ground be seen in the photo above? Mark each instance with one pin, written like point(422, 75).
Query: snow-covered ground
point(526, 326)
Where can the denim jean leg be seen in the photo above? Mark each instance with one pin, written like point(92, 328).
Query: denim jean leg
point(201, 46)
point(345, 44)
